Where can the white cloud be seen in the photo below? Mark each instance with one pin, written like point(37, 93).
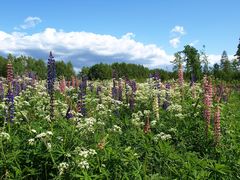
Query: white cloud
point(84, 48)
point(194, 43)
point(29, 22)
point(178, 29)
point(174, 42)
point(214, 58)
point(177, 32)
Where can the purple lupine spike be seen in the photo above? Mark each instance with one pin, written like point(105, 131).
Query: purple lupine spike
point(16, 88)
point(119, 90)
point(50, 82)
point(132, 96)
point(1, 91)
point(82, 96)
point(10, 105)
point(69, 114)
point(126, 89)
point(23, 86)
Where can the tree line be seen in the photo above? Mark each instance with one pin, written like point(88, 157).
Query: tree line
point(123, 70)
point(24, 64)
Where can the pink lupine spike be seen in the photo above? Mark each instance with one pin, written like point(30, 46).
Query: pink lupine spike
point(180, 75)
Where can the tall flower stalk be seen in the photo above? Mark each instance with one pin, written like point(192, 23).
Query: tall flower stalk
point(180, 75)
point(50, 82)
point(82, 97)
point(10, 105)
point(1, 91)
point(207, 87)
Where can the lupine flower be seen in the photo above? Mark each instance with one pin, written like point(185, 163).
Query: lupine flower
point(120, 90)
point(207, 87)
point(132, 96)
point(82, 96)
point(1, 91)
point(147, 125)
point(50, 80)
point(69, 114)
point(156, 107)
point(180, 75)
point(16, 88)
point(9, 72)
point(62, 85)
point(10, 105)
point(73, 81)
point(126, 89)
point(217, 130)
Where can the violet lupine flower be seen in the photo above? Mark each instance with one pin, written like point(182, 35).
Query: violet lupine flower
point(69, 114)
point(23, 86)
point(10, 105)
point(50, 80)
point(16, 88)
point(120, 90)
point(132, 96)
point(180, 75)
point(167, 97)
point(1, 91)
point(82, 97)
point(126, 89)
point(217, 131)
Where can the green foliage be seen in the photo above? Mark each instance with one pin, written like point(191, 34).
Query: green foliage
point(24, 64)
point(193, 63)
point(132, 71)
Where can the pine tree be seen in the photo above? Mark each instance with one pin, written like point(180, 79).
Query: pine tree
point(238, 51)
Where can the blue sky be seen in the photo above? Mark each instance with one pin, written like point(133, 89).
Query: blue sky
point(148, 32)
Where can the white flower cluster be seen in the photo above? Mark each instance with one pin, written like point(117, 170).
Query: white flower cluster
point(162, 136)
point(62, 167)
point(44, 134)
point(116, 129)
point(31, 141)
point(86, 124)
point(4, 135)
point(84, 153)
point(83, 164)
point(136, 119)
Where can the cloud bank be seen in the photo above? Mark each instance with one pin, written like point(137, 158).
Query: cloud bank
point(84, 48)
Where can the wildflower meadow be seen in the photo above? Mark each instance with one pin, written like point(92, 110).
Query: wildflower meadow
point(55, 128)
